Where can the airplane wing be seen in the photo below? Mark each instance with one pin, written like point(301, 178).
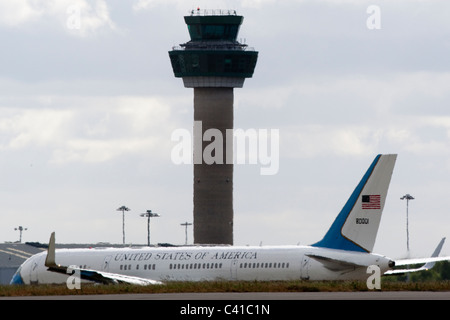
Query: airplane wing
point(428, 262)
point(104, 277)
point(92, 275)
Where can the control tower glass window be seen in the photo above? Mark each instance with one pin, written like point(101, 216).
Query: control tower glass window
point(213, 32)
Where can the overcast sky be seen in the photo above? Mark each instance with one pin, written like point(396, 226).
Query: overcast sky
point(88, 103)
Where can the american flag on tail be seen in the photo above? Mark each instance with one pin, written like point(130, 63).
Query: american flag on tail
point(371, 201)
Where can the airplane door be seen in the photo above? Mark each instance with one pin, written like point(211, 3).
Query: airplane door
point(304, 268)
point(105, 266)
point(233, 270)
point(34, 271)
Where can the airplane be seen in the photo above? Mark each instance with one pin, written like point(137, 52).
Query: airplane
point(344, 253)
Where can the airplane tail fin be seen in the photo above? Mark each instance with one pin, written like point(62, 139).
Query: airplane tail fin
point(356, 226)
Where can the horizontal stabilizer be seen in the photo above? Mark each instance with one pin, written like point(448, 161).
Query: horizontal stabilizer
point(428, 262)
point(334, 264)
point(405, 262)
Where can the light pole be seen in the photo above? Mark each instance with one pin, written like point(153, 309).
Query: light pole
point(186, 224)
point(407, 197)
point(149, 214)
point(21, 229)
point(123, 209)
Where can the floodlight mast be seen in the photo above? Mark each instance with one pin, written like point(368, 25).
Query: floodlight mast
point(123, 209)
point(186, 224)
point(149, 214)
point(407, 197)
point(21, 229)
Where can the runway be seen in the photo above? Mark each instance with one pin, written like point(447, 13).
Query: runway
point(256, 296)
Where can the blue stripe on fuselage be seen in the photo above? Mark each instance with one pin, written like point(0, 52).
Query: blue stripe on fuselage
point(17, 277)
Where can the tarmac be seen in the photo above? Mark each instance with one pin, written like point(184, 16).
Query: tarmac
point(256, 296)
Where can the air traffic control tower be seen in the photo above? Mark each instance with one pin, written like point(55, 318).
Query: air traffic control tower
point(213, 62)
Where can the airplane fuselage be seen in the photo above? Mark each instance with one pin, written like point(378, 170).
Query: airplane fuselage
point(207, 263)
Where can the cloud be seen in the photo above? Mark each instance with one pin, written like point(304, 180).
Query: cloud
point(103, 129)
point(142, 5)
point(83, 19)
point(356, 114)
point(77, 17)
point(17, 12)
point(25, 128)
point(96, 151)
point(312, 141)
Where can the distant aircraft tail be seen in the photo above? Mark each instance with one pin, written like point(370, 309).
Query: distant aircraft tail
point(356, 226)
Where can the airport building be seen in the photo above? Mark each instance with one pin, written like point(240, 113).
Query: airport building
point(12, 255)
point(213, 63)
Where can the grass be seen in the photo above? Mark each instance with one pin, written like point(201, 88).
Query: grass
point(223, 286)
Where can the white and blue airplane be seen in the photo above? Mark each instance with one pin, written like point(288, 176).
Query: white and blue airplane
point(344, 253)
